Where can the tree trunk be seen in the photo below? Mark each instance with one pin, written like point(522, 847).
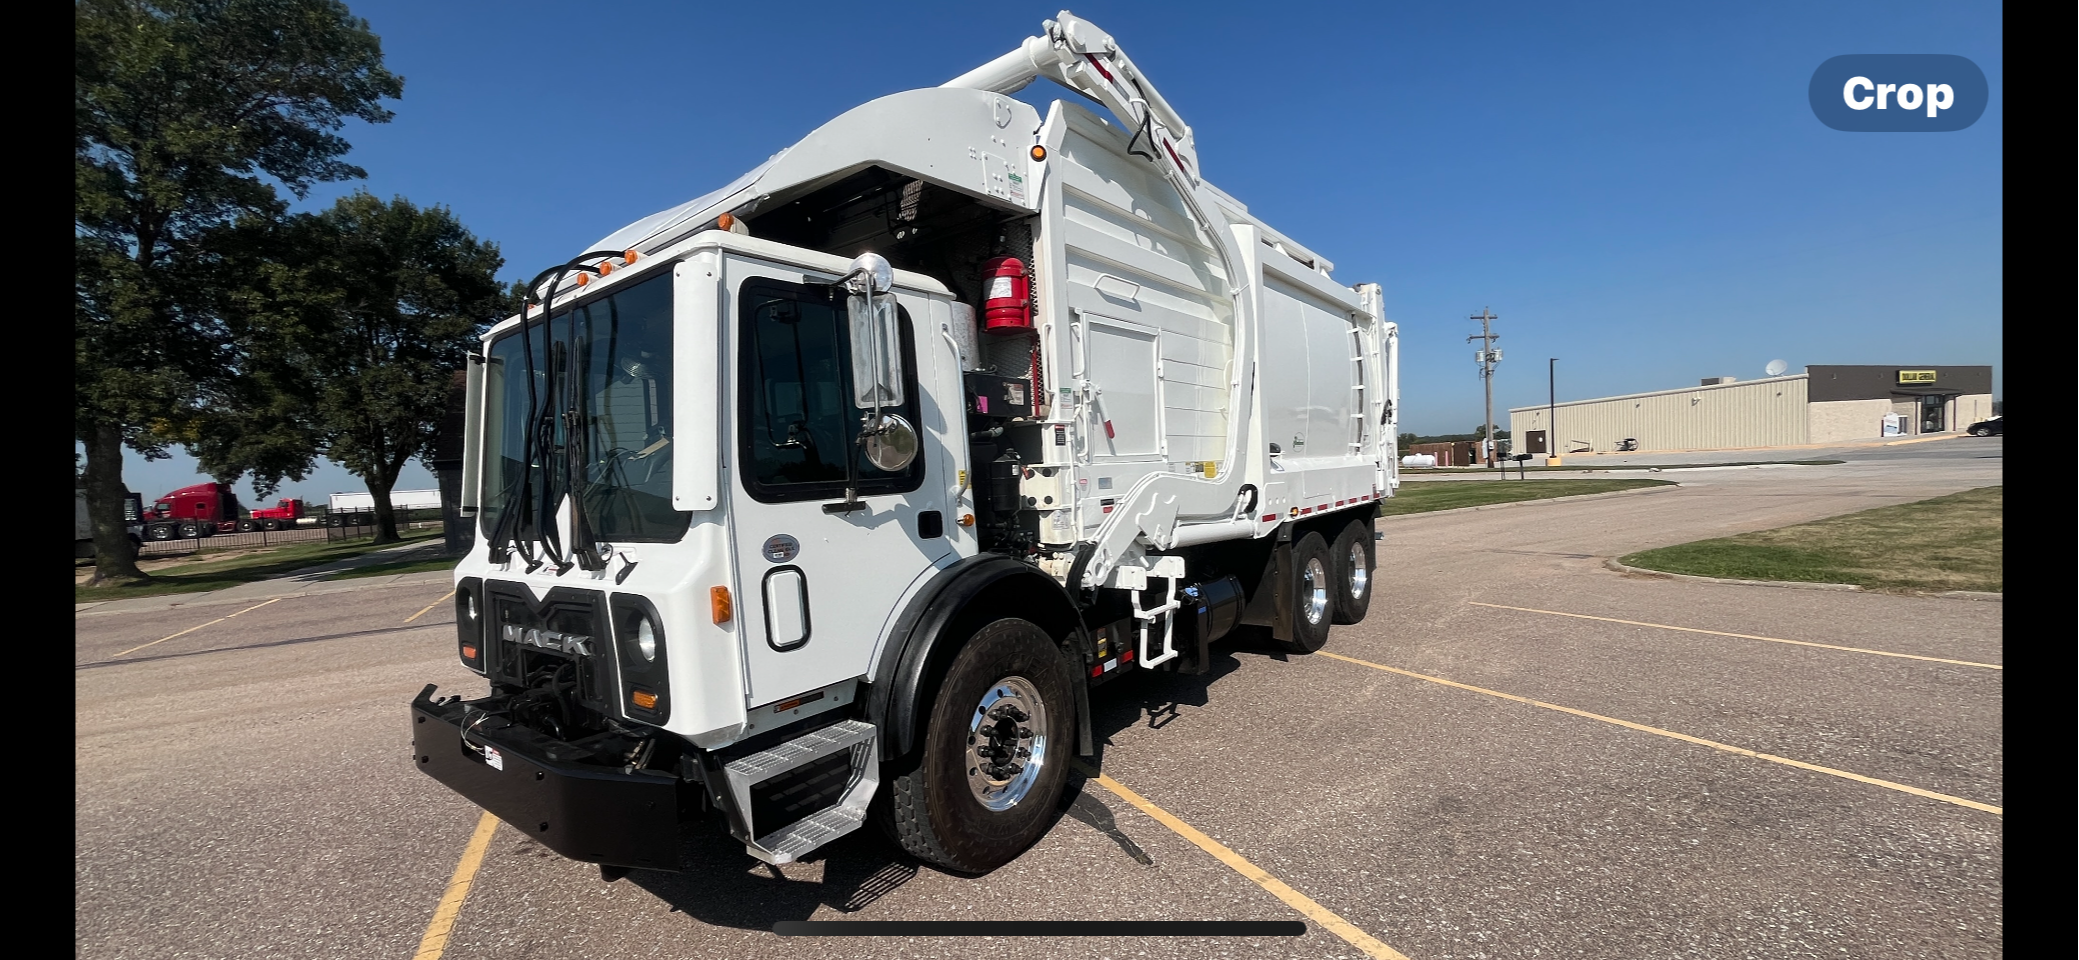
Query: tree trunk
point(380, 481)
point(115, 557)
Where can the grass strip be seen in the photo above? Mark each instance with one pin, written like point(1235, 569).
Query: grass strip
point(1945, 543)
point(1429, 497)
point(245, 567)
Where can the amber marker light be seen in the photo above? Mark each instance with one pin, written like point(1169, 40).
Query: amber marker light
point(606, 267)
point(584, 278)
point(469, 651)
point(718, 602)
point(967, 519)
point(726, 221)
point(1039, 152)
point(644, 699)
point(628, 257)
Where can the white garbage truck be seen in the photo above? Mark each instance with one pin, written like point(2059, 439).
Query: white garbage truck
point(833, 494)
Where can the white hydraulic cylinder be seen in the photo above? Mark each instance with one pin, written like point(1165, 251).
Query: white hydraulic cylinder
point(1009, 73)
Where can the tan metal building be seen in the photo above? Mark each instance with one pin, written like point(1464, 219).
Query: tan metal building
point(1825, 404)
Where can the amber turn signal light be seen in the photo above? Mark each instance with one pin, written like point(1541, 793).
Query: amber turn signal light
point(718, 602)
point(469, 651)
point(644, 699)
point(1039, 152)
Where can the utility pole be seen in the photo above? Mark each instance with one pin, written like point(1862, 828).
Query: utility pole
point(1487, 357)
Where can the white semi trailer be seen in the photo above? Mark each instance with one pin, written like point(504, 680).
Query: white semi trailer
point(830, 495)
point(364, 502)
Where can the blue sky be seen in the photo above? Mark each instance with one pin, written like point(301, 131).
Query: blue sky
point(1639, 190)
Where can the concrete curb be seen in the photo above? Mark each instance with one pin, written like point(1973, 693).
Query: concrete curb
point(1864, 443)
point(1612, 564)
point(1939, 436)
point(288, 590)
point(1528, 503)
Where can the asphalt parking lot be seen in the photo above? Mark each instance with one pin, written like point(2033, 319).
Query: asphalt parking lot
point(1519, 754)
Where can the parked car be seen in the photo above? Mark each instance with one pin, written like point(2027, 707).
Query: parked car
point(1986, 428)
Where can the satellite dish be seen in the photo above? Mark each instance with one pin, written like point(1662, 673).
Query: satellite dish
point(1776, 368)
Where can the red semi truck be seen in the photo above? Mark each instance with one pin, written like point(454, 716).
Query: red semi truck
point(206, 509)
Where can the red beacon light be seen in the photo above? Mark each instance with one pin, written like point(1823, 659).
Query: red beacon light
point(1007, 297)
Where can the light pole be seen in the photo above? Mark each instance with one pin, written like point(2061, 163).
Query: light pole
point(1551, 410)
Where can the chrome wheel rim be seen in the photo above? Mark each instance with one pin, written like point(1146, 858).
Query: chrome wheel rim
point(1006, 743)
point(1313, 589)
point(1360, 576)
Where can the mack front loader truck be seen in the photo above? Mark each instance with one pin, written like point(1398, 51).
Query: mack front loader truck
point(833, 495)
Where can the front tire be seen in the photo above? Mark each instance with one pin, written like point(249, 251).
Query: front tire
point(1981, 432)
point(995, 754)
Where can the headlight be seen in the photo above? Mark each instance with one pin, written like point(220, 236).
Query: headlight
point(645, 637)
point(643, 652)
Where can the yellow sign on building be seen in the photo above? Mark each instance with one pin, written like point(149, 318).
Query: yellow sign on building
point(1916, 376)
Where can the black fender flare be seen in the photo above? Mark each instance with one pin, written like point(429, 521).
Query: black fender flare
point(931, 629)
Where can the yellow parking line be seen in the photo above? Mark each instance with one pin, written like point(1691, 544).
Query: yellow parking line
point(1277, 888)
point(436, 938)
point(1656, 731)
point(1745, 636)
point(430, 606)
point(192, 629)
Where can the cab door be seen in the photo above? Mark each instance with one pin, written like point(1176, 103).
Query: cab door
point(817, 582)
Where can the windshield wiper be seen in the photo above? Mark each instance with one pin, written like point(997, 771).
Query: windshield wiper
point(505, 534)
point(524, 503)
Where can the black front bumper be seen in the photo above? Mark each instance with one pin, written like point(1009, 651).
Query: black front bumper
point(583, 811)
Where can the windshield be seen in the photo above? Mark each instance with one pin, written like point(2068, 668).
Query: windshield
point(611, 358)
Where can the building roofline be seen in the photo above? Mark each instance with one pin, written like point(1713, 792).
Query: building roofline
point(1662, 393)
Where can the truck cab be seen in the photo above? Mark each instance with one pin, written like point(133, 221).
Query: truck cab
point(200, 510)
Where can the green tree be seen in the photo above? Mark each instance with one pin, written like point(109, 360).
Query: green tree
point(357, 324)
point(187, 114)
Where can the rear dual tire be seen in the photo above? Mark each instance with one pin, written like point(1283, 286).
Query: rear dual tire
point(1313, 592)
point(1355, 555)
point(1330, 584)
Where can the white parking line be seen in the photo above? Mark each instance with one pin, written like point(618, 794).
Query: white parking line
point(192, 629)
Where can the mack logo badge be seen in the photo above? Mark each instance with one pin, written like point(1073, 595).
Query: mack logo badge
point(555, 640)
point(780, 548)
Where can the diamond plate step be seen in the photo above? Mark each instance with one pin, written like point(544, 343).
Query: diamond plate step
point(802, 837)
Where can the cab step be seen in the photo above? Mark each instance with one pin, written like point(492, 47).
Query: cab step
point(806, 792)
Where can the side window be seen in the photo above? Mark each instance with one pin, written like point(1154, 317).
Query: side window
point(798, 425)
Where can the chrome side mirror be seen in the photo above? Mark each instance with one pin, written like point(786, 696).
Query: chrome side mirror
point(891, 444)
point(877, 373)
